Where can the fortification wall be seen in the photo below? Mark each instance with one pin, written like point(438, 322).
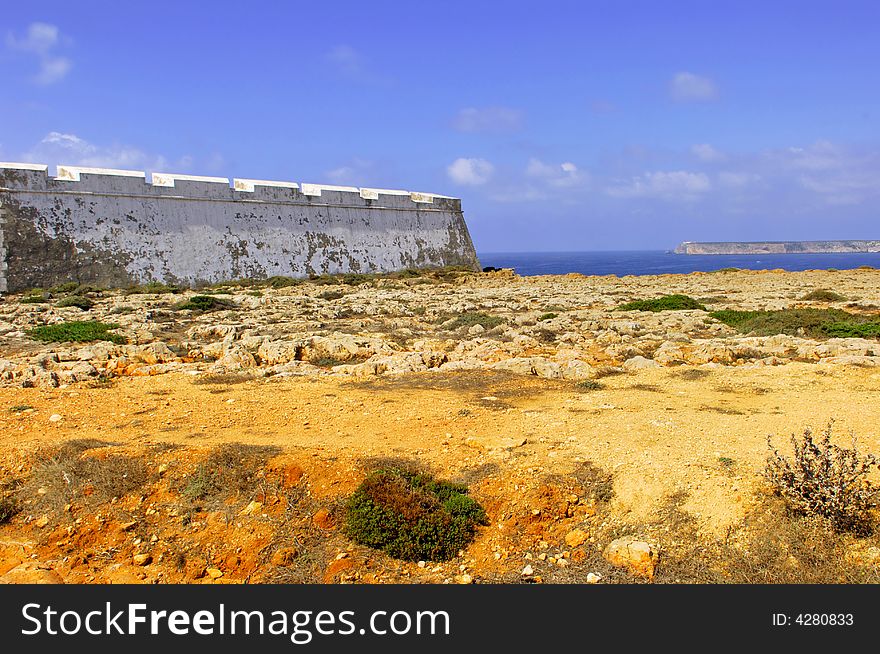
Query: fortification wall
point(113, 228)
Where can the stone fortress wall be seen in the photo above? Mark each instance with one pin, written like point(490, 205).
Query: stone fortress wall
point(112, 228)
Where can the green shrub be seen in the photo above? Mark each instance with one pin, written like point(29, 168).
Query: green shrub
point(824, 295)
point(77, 331)
point(152, 288)
point(814, 323)
point(279, 281)
point(204, 303)
point(665, 303)
point(825, 479)
point(8, 509)
point(472, 318)
point(852, 330)
point(66, 287)
point(34, 298)
point(411, 516)
point(547, 316)
point(331, 295)
point(590, 385)
point(78, 301)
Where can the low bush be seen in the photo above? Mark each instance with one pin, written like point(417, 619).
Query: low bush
point(232, 469)
point(825, 479)
point(78, 301)
point(34, 298)
point(665, 303)
point(71, 473)
point(547, 316)
point(824, 295)
point(8, 509)
point(813, 323)
point(76, 331)
point(472, 318)
point(152, 288)
point(411, 516)
point(204, 303)
point(279, 281)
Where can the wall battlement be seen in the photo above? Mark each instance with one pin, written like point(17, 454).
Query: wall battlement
point(115, 228)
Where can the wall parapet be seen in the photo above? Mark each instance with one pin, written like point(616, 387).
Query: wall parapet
point(109, 180)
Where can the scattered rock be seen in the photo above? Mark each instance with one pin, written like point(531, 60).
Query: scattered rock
point(31, 573)
point(142, 559)
point(284, 556)
point(639, 557)
point(576, 538)
point(323, 519)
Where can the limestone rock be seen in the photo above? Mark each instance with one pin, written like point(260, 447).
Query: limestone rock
point(638, 556)
point(639, 363)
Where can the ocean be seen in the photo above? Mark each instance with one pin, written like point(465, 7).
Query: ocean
point(659, 262)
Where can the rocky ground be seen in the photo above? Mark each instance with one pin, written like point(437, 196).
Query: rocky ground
point(605, 445)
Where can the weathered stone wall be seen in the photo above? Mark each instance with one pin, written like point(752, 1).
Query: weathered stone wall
point(112, 228)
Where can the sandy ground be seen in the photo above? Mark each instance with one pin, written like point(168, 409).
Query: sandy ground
point(657, 432)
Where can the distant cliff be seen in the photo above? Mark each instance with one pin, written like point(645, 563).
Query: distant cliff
point(777, 247)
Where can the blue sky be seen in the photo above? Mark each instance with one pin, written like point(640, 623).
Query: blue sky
point(561, 125)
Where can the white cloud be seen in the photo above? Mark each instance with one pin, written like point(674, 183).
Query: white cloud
point(688, 87)
point(470, 172)
point(346, 59)
point(733, 179)
point(667, 185)
point(357, 172)
point(41, 40)
point(60, 148)
point(488, 119)
point(840, 175)
point(707, 153)
point(562, 175)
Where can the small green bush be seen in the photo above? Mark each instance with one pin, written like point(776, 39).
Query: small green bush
point(152, 288)
point(331, 295)
point(279, 281)
point(204, 303)
point(472, 318)
point(665, 303)
point(813, 323)
point(547, 316)
point(590, 385)
point(77, 331)
point(78, 301)
point(824, 295)
point(8, 509)
point(411, 516)
point(852, 330)
point(34, 298)
point(825, 479)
